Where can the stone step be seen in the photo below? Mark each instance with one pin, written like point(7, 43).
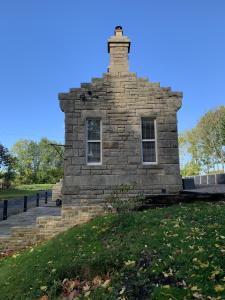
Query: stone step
point(47, 227)
point(19, 231)
point(46, 219)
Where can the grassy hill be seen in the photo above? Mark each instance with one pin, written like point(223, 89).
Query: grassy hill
point(169, 253)
point(24, 190)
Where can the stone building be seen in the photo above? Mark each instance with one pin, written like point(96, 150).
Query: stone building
point(119, 129)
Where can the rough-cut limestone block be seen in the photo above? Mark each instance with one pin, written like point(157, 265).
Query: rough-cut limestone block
point(57, 191)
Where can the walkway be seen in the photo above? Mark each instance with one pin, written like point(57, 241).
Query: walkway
point(214, 188)
point(16, 206)
point(29, 217)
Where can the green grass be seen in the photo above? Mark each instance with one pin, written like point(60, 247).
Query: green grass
point(22, 190)
point(168, 253)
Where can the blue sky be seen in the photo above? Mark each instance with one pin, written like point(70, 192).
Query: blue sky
point(49, 46)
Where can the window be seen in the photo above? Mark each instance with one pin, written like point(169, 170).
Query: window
point(93, 137)
point(148, 131)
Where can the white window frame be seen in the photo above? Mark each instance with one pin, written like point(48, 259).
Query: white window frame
point(95, 141)
point(150, 140)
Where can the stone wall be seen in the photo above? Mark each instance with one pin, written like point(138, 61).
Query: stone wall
point(57, 190)
point(48, 226)
point(120, 100)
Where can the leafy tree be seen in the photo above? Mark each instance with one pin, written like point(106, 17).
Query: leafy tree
point(190, 168)
point(7, 165)
point(210, 133)
point(223, 132)
point(38, 162)
point(182, 148)
point(51, 162)
point(27, 155)
point(188, 147)
point(205, 143)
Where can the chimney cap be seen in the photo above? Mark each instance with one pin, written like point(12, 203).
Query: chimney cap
point(118, 38)
point(118, 28)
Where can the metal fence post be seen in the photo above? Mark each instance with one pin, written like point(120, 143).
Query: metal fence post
point(5, 209)
point(37, 200)
point(46, 197)
point(25, 203)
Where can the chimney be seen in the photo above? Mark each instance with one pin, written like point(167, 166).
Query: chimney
point(118, 48)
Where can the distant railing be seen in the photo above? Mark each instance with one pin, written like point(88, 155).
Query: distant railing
point(190, 182)
point(209, 179)
point(10, 207)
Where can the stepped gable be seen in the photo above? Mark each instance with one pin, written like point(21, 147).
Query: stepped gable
point(120, 104)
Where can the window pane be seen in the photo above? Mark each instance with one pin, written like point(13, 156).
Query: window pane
point(148, 149)
point(148, 131)
point(94, 153)
point(93, 127)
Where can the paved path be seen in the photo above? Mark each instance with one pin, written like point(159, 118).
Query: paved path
point(15, 206)
point(28, 218)
point(214, 188)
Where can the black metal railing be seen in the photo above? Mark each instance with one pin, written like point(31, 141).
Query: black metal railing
point(15, 206)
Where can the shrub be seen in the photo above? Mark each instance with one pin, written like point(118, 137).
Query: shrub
point(122, 201)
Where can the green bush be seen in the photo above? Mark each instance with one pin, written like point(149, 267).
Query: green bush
point(122, 201)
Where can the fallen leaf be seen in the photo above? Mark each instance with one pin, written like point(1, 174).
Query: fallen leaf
point(203, 265)
point(106, 283)
point(86, 287)
point(97, 280)
point(87, 294)
point(214, 273)
point(123, 290)
point(219, 288)
point(43, 288)
point(129, 263)
point(45, 297)
point(166, 286)
point(197, 296)
point(194, 288)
